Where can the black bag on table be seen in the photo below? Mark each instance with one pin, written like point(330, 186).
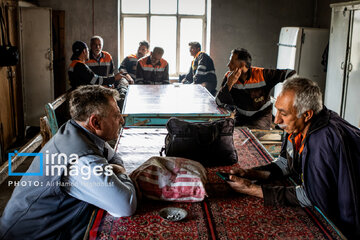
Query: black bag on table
point(210, 143)
point(9, 55)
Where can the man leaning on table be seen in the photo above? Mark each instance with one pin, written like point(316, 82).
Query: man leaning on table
point(128, 65)
point(246, 89)
point(321, 153)
point(60, 205)
point(80, 73)
point(153, 69)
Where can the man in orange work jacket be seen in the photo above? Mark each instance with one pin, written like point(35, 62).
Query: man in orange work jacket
point(128, 65)
point(81, 74)
point(100, 62)
point(246, 90)
point(153, 69)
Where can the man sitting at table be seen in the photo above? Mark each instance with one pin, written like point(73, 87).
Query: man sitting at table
point(246, 89)
point(321, 153)
point(153, 69)
point(100, 61)
point(81, 74)
point(202, 70)
point(80, 172)
point(128, 65)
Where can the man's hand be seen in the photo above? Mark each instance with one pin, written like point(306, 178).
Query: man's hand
point(118, 76)
point(233, 77)
point(243, 185)
point(129, 78)
point(250, 173)
point(240, 172)
point(118, 169)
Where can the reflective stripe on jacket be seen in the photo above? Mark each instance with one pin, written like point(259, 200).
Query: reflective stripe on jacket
point(252, 96)
point(146, 73)
point(128, 65)
point(81, 74)
point(102, 67)
point(202, 70)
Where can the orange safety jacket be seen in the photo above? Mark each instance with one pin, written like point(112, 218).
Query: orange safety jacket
point(81, 74)
point(128, 65)
point(146, 73)
point(252, 97)
point(103, 66)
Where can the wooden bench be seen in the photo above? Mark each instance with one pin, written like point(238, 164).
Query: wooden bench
point(30, 147)
point(57, 113)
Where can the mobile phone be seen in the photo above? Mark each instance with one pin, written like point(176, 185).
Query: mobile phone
point(224, 176)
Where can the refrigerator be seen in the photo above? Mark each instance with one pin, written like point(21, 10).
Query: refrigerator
point(343, 76)
point(302, 49)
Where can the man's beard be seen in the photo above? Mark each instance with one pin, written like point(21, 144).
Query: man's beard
point(282, 126)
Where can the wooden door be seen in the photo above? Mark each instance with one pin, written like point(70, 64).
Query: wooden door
point(11, 112)
point(36, 61)
point(58, 24)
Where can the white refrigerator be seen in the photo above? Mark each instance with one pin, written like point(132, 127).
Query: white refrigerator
point(301, 49)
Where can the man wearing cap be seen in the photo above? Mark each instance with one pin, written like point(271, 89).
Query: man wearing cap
point(202, 70)
point(81, 74)
point(153, 69)
point(246, 90)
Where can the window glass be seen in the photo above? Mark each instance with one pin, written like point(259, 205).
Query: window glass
point(159, 20)
point(163, 6)
point(190, 31)
point(135, 6)
point(194, 7)
point(132, 37)
point(163, 34)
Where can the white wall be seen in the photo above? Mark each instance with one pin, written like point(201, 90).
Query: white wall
point(254, 25)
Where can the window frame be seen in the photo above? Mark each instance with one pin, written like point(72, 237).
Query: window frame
point(178, 16)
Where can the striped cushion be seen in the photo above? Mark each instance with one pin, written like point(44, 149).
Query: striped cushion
point(171, 179)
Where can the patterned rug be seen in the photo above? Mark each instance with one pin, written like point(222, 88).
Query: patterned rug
point(147, 224)
point(223, 215)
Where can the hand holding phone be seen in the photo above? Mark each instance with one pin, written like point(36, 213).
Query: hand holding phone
point(224, 176)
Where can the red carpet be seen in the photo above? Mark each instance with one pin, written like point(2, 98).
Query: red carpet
point(224, 215)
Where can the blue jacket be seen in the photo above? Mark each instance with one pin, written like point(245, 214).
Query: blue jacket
point(59, 206)
point(328, 170)
point(331, 170)
point(202, 70)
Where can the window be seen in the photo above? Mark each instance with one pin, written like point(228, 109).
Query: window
point(170, 24)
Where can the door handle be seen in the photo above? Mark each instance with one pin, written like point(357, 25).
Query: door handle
point(350, 67)
point(342, 65)
point(49, 56)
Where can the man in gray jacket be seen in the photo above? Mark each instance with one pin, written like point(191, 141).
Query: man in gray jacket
point(76, 172)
